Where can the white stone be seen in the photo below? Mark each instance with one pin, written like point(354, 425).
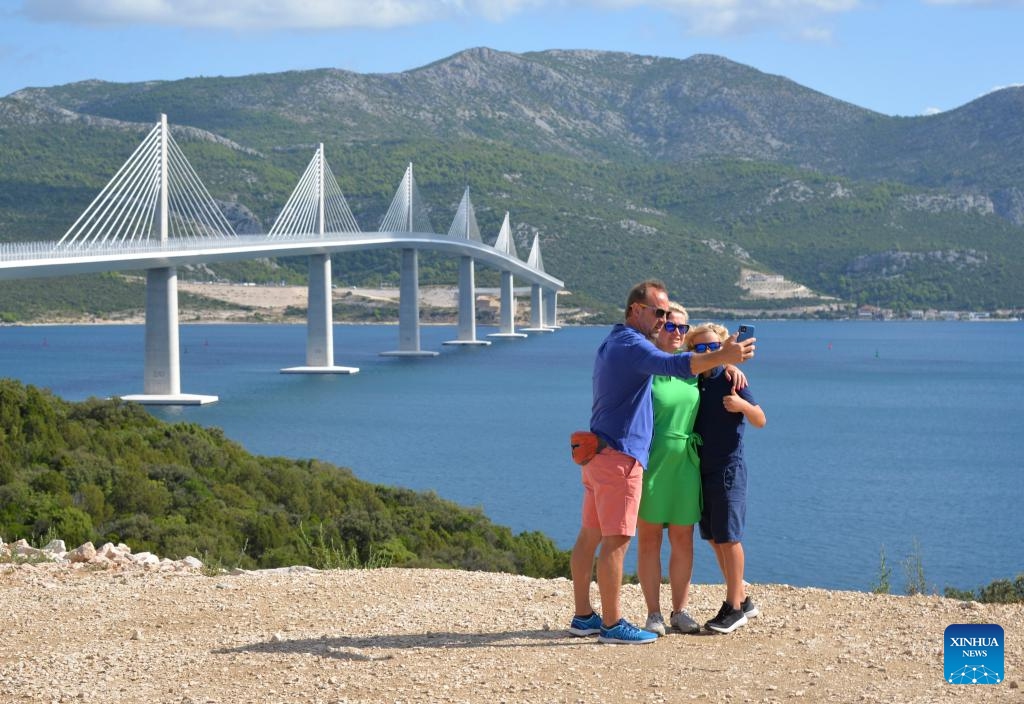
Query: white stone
point(108, 551)
point(83, 553)
point(145, 559)
point(191, 562)
point(56, 546)
point(27, 551)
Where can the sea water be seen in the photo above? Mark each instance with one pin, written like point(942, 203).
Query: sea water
point(899, 437)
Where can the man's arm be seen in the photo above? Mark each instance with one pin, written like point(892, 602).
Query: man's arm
point(645, 358)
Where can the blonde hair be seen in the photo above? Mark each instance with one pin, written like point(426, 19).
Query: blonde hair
point(720, 331)
point(674, 307)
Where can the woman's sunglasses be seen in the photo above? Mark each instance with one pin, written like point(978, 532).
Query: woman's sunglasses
point(681, 328)
point(705, 346)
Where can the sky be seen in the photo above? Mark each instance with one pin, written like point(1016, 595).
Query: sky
point(897, 57)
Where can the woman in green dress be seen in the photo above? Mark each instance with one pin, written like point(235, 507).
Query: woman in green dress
point(671, 495)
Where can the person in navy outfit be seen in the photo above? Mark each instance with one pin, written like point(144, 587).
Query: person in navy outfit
point(721, 418)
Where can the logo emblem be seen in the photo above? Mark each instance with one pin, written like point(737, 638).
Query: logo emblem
point(973, 653)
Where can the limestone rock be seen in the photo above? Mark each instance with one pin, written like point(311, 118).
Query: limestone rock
point(83, 553)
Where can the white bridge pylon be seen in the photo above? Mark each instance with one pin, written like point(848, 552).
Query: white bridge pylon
point(317, 205)
point(156, 183)
point(464, 226)
point(408, 214)
point(507, 323)
point(537, 297)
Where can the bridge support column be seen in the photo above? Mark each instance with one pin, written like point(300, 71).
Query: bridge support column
point(551, 310)
point(507, 328)
point(320, 322)
point(409, 310)
point(162, 373)
point(537, 297)
point(467, 305)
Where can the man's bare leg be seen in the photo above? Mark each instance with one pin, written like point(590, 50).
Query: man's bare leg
point(582, 567)
point(609, 576)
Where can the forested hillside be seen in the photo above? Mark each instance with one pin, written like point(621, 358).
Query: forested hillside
point(109, 471)
point(626, 166)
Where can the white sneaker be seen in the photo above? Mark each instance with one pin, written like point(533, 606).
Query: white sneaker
point(655, 624)
point(684, 623)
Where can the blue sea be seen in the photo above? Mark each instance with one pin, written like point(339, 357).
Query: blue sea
point(894, 436)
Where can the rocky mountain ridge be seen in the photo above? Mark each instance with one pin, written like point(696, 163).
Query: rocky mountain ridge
point(696, 150)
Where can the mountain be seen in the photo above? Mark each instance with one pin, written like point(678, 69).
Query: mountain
point(627, 166)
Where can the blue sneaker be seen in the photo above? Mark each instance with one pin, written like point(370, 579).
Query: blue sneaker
point(625, 633)
point(585, 626)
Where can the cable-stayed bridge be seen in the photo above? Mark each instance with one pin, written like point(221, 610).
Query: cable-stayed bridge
point(155, 214)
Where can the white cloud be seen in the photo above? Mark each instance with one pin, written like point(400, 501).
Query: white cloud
point(977, 3)
point(721, 17)
point(246, 14)
point(713, 17)
point(821, 35)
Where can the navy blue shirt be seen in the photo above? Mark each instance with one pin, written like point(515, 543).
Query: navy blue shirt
point(623, 414)
point(721, 431)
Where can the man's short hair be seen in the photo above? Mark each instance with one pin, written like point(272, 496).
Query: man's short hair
point(638, 294)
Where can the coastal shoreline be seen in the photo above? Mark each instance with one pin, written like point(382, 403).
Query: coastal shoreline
point(258, 304)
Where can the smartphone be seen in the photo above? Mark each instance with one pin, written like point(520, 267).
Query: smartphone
point(745, 331)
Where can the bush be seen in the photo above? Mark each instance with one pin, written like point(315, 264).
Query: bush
point(106, 470)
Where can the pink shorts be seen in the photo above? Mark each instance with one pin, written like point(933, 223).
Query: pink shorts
point(612, 483)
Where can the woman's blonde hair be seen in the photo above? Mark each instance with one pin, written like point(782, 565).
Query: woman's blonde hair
point(720, 331)
point(674, 307)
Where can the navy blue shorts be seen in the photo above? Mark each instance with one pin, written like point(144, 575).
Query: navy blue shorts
point(725, 502)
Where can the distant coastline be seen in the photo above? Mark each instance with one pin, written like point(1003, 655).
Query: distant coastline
point(286, 304)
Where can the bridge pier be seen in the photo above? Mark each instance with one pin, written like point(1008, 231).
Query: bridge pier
point(507, 328)
point(537, 310)
point(320, 322)
point(162, 371)
point(551, 310)
point(467, 305)
point(409, 310)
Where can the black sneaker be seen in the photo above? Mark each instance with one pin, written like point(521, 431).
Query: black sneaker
point(721, 611)
point(750, 609)
point(728, 619)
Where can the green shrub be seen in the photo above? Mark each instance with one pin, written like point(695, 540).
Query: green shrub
point(106, 470)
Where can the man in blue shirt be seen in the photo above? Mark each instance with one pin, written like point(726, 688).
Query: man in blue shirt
point(623, 418)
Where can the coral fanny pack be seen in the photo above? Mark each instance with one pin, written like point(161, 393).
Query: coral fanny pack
point(585, 445)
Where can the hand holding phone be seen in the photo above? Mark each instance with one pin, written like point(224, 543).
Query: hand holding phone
point(745, 332)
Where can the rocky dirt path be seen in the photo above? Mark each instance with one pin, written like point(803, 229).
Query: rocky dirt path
point(400, 635)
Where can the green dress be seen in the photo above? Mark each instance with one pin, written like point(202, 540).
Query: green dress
point(671, 492)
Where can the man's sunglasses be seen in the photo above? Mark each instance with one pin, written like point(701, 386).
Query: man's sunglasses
point(658, 312)
point(681, 328)
point(707, 347)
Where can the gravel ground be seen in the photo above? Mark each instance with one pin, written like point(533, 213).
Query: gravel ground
point(399, 635)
